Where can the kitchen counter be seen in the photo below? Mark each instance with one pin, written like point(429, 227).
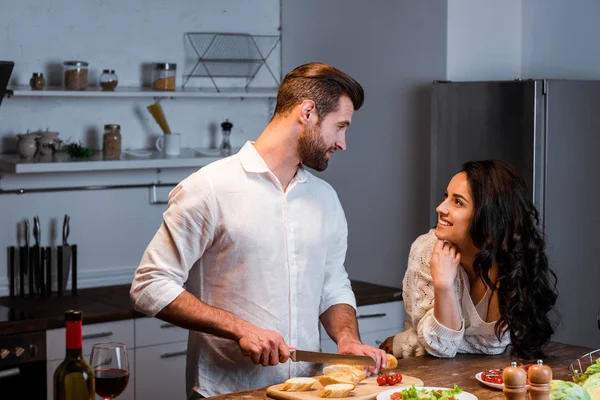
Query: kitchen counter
point(460, 370)
point(111, 303)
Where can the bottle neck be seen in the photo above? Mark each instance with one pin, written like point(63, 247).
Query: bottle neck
point(74, 339)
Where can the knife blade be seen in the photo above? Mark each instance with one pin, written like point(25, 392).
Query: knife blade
point(330, 358)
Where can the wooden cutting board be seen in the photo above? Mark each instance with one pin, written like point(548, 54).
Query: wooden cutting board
point(367, 389)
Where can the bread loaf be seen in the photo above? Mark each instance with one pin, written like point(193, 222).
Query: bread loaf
point(358, 373)
point(392, 363)
point(298, 384)
point(338, 377)
point(336, 390)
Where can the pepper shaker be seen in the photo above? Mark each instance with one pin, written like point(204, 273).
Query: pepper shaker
point(515, 379)
point(540, 376)
point(226, 145)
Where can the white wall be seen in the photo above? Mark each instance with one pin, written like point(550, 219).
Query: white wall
point(395, 49)
point(560, 39)
point(484, 40)
point(112, 227)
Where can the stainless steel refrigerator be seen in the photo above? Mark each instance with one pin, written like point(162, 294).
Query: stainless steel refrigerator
point(549, 130)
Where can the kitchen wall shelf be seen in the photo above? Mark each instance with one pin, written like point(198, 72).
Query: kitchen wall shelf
point(132, 159)
point(26, 91)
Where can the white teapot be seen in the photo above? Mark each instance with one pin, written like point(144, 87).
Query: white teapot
point(48, 143)
point(27, 144)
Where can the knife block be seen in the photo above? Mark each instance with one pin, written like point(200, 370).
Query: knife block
point(30, 271)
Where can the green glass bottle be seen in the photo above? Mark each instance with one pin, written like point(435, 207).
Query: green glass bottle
point(74, 378)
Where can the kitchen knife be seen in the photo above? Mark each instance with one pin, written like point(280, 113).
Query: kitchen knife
point(66, 253)
point(330, 358)
point(24, 268)
point(11, 262)
point(37, 276)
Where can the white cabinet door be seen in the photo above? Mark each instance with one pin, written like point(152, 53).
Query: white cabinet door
point(151, 331)
point(160, 371)
point(128, 394)
point(117, 331)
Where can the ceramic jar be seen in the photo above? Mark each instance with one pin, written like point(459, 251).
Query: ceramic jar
point(27, 144)
point(48, 143)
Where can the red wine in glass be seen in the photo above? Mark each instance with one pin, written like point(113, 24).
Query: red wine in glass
point(111, 369)
point(110, 382)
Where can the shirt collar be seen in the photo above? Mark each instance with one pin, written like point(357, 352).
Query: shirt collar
point(253, 162)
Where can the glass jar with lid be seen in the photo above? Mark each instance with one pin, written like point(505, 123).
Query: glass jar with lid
point(76, 75)
point(111, 142)
point(37, 81)
point(108, 79)
point(163, 76)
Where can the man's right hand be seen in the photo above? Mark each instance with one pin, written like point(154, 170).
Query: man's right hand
point(264, 347)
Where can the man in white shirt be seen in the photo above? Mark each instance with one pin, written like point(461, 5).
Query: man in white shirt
point(250, 254)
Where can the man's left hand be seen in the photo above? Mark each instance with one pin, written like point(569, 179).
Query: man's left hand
point(356, 347)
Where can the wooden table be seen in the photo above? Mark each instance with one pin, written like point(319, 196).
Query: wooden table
point(460, 370)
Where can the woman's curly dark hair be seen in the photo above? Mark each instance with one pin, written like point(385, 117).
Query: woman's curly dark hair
point(505, 231)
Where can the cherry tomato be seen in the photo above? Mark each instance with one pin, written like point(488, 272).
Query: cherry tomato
point(399, 378)
point(396, 396)
point(392, 380)
point(381, 380)
point(497, 379)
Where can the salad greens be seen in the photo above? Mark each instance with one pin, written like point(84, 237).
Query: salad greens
point(562, 390)
point(422, 394)
point(584, 387)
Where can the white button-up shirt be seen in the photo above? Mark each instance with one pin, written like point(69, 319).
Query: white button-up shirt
point(238, 242)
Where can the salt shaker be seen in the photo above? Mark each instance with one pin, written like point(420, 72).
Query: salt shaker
point(540, 376)
point(515, 379)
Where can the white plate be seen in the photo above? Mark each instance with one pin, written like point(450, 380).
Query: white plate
point(490, 384)
point(499, 386)
point(463, 396)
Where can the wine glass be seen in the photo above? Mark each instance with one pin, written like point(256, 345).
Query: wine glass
point(111, 369)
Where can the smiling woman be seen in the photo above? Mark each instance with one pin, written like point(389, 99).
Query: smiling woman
point(464, 288)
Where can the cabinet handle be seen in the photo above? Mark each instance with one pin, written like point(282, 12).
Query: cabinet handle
point(153, 199)
point(9, 372)
point(164, 326)
point(379, 315)
point(175, 354)
point(96, 335)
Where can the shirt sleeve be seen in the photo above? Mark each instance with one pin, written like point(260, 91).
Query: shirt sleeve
point(186, 231)
point(336, 285)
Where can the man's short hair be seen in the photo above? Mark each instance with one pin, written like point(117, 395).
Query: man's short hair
point(320, 83)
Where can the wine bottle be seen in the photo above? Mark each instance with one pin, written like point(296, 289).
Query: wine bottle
point(74, 378)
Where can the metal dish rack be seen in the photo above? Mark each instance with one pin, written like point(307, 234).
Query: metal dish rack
point(579, 366)
point(230, 55)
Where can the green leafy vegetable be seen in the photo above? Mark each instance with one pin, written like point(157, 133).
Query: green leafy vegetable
point(77, 150)
point(592, 385)
point(422, 394)
point(562, 390)
point(591, 370)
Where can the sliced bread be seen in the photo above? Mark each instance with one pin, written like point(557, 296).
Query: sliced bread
point(298, 384)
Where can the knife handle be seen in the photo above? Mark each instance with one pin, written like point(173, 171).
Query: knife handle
point(41, 282)
point(74, 269)
point(49, 271)
point(11, 261)
point(59, 272)
point(22, 268)
point(31, 266)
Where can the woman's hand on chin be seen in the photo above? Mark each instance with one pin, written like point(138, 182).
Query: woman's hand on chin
point(444, 263)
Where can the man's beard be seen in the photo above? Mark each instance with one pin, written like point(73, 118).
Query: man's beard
point(313, 150)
